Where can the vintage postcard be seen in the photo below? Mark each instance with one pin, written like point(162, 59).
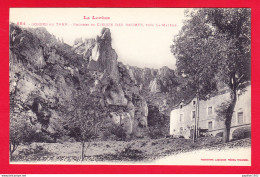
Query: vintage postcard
point(130, 86)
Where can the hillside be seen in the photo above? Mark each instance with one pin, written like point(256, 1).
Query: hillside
point(46, 74)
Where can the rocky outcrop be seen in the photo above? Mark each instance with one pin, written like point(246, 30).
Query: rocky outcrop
point(100, 54)
point(45, 75)
point(39, 79)
point(153, 80)
point(120, 82)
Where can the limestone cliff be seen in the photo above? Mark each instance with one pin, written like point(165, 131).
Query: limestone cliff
point(45, 75)
point(99, 54)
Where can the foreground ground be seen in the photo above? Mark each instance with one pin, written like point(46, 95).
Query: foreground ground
point(117, 151)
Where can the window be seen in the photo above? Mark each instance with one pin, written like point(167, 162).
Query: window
point(210, 110)
point(181, 117)
point(180, 106)
point(181, 130)
point(210, 125)
point(194, 103)
point(240, 117)
point(193, 114)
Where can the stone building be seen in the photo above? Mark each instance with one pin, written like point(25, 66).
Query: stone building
point(182, 118)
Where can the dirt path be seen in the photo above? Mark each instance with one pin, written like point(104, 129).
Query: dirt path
point(210, 157)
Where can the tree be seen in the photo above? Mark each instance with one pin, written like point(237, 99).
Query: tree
point(234, 27)
point(217, 43)
point(195, 63)
point(21, 131)
point(119, 130)
point(87, 112)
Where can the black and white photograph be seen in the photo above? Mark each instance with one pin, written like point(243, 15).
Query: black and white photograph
point(130, 86)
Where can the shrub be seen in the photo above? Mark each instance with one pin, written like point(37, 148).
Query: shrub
point(143, 144)
point(156, 133)
point(241, 133)
point(118, 131)
point(209, 141)
point(38, 149)
point(43, 137)
point(131, 154)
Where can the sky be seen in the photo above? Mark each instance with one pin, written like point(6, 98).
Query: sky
point(145, 45)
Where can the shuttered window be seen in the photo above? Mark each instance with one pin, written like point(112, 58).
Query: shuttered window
point(210, 110)
point(193, 114)
point(240, 117)
point(210, 125)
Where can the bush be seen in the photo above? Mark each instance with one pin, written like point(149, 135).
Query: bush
point(131, 154)
point(156, 133)
point(241, 133)
point(119, 132)
point(143, 144)
point(38, 149)
point(209, 141)
point(43, 137)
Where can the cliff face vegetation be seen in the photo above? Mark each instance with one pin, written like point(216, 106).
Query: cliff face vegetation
point(46, 75)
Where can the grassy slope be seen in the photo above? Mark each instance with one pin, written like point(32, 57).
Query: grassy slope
point(140, 150)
